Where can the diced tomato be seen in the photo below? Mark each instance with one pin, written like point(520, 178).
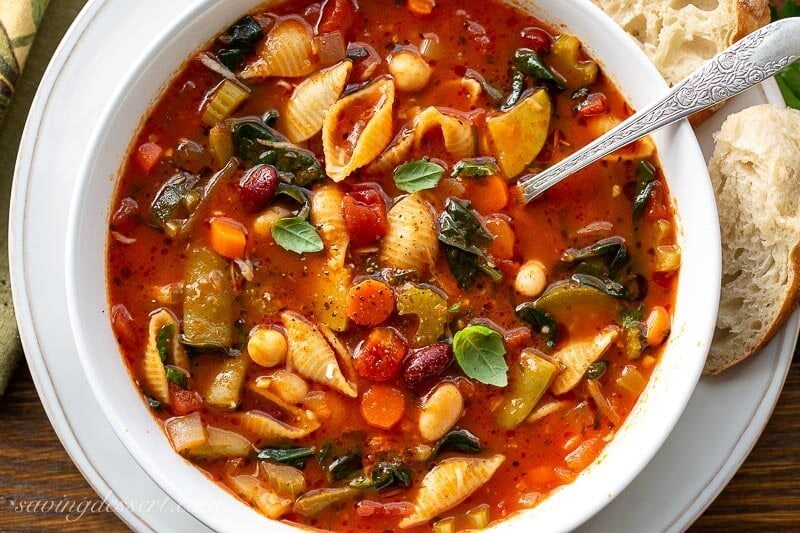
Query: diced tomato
point(365, 216)
point(336, 15)
point(367, 508)
point(183, 401)
point(656, 206)
point(124, 218)
point(379, 356)
point(537, 40)
point(594, 105)
point(148, 155)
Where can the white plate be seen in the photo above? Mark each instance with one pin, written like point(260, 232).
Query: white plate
point(683, 479)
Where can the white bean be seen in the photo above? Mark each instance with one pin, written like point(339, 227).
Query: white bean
point(531, 279)
point(411, 72)
point(440, 411)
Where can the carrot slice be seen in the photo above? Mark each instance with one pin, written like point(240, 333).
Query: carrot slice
point(657, 325)
point(488, 195)
point(228, 237)
point(382, 406)
point(148, 155)
point(421, 7)
point(370, 302)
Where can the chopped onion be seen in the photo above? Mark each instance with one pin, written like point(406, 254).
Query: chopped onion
point(122, 238)
point(331, 48)
point(667, 258)
point(431, 47)
point(246, 269)
point(186, 432)
point(212, 64)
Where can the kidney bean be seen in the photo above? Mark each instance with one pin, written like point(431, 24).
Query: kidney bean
point(124, 218)
point(258, 186)
point(424, 363)
point(537, 40)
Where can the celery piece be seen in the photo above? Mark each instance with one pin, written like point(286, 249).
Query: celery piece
point(224, 100)
point(208, 300)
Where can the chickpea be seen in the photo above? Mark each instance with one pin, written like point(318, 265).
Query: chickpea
point(440, 411)
point(267, 347)
point(411, 72)
point(289, 386)
point(531, 279)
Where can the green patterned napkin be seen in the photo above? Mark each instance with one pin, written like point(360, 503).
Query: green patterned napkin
point(19, 20)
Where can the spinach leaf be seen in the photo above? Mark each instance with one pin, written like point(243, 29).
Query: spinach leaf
point(529, 62)
point(541, 320)
point(613, 248)
point(416, 176)
point(247, 132)
point(596, 370)
point(632, 317)
point(517, 88)
point(295, 457)
point(645, 183)
point(457, 440)
point(239, 40)
point(231, 57)
point(169, 198)
point(344, 466)
point(386, 474)
point(608, 286)
point(475, 167)
point(298, 194)
point(270, 117)
point(357, 51)
point(163, 339)
point(480, 353)
point(297, 235)
point(177, 376)
point(466, 242)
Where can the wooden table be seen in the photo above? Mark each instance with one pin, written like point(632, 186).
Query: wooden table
point(764, 495)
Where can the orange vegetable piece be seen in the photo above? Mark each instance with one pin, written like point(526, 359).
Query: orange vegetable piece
point(370, 302)
point(148, 155)
point(382, 406)
point(502, 247)
point(657, 326)
point(584, 454)
point(228, 237)
point(421, 7)
point(488, 195)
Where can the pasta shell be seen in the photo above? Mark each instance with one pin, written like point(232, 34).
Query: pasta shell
point(252, 490)
point(458, 133)
point(518, 135)
point(449, 483)
point(576, 358)
point(286, 52)
point(311, 356)
point(310, 101)
point(398, 152)
point(155, 375)
point(357, 128)
point(269, 428)
point(411, 242)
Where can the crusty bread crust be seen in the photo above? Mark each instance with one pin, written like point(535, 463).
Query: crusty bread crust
point(751, 15)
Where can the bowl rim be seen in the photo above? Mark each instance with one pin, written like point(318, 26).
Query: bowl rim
point(117, 418)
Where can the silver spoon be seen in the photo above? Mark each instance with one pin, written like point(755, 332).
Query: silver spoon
point(750, 61)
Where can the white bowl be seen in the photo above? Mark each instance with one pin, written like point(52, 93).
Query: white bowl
point(635, 443)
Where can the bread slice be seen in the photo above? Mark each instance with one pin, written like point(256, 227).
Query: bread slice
point(679, 36)
point(755, 171)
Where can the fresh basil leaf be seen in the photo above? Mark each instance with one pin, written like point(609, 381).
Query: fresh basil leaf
point(457, 440)
point(645, 183)
point(391, 473)
point(295, 457)
point(416, 176)
point(480, 353)
point(613, 248)
point(475, 167)
point(516, 91)
point(297, 235)
point(177, 376)
point(344, 466)
point(541, 320)
point(163, 339)
point(596, 370)
point(529, 62)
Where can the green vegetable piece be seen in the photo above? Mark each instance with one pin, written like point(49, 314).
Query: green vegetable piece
point(298, 194)
point(493, 92)
point(416, 176)
point(169, 198)
point(541, 320)
point(297, 235)
point(208, 300)
point(516, 91)
point(607, 286)
point(177, 376)
point(316, 501)
point(295, 165)
point(480, 353)
point(387, 474)
point(285, 479)
point(466, 241)
point(232, 58)
point(245, 33)
point(596, 370)
point(152, 403)
point(163, 339)
point(295, 457)
point(613, 248)
point(564, 298)
point(528, 62)
point(344, 466)
point(529, 379)
point(633, 331)
point(457, 440)
point(475, 167)
point(429, 306)
point(645, 183)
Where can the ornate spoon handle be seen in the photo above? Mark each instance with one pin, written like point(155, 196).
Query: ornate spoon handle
point(750, 61)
